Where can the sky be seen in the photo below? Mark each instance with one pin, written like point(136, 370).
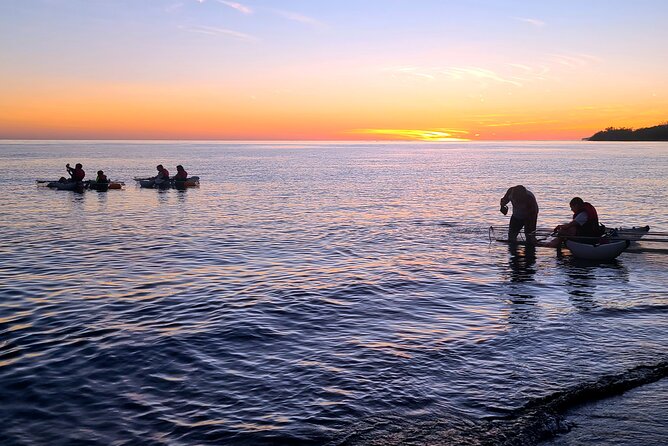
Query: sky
point(433, 70)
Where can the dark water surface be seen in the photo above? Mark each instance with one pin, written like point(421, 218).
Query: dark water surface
point(638, 417)
point(319, 293)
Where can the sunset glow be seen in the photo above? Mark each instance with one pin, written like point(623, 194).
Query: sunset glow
point(294, 70)
point(419, 135)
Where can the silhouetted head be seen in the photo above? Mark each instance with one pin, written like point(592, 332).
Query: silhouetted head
point(179, 168)
point(78, 166)
point(159, 167)
point(576, 203)
point(99, 172)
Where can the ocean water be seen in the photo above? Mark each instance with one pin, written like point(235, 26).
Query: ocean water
point(320, 293)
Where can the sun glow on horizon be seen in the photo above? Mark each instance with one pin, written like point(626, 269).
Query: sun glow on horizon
point(230, 70)
point(433, 135)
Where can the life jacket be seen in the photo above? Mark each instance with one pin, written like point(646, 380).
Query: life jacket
point(591, 228)
point(181, 176)
point(164, 174)
point(78, 175)
point(101, 179)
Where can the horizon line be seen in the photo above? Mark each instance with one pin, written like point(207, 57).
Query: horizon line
point(290, 140)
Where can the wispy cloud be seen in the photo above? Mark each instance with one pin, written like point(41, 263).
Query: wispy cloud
point(534, 22)
point(215, 31)
point(289, 15)
point(573, 60)
point(411, 71)
point(531, 70)
point(526, 73)
point(612, 108)
point(481, 75)
point(487, 117)
point(238, 6)
point(295, 17)
point(521, 123)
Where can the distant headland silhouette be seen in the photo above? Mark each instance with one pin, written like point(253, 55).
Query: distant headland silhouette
point(656, 133)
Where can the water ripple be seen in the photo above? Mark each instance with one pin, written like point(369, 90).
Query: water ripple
point(306, 295)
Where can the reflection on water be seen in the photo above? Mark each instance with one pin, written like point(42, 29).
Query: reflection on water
point(521, 270)
point(182, 194)
point(303, 292)
point(581, 285)
point(522, 262)
point(583, 277)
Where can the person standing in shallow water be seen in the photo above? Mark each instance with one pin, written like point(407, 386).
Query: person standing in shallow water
point(525, 212)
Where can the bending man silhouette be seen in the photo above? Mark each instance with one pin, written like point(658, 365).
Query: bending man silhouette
point(525, 212)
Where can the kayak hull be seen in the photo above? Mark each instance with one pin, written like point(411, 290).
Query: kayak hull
point(80, 186)
point(600, 252)
point(100, 187)
point(633, 234)
point(151, 184)
point(68, 185)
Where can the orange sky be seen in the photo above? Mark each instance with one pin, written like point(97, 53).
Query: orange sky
point(94, 73)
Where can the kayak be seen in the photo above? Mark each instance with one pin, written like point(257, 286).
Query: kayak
point(599, 249)
point(601, 252)
point(82, 185)
point(633, 234)
point(149, 183)
point(100, 187)
point(67, 185)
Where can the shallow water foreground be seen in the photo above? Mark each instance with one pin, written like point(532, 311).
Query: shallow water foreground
point(319, 293)
point(636, 417)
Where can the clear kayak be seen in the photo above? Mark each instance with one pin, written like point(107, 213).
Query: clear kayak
point(81, 185)
point(604, 248)
point(103, 187)
point(66, 185)
point(633, 234)
point(151, 183)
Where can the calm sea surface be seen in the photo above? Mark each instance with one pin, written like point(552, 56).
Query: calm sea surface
point(319, 294)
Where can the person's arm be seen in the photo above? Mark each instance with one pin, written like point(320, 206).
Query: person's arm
point(577, 221)
point(506, 198)
point(567, 226)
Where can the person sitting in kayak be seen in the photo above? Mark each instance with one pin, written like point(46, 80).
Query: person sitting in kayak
point(584, 223)
point(77, 174)
point(101, 177)
point(163, 175)
point(525, 212)
point(181, 174)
